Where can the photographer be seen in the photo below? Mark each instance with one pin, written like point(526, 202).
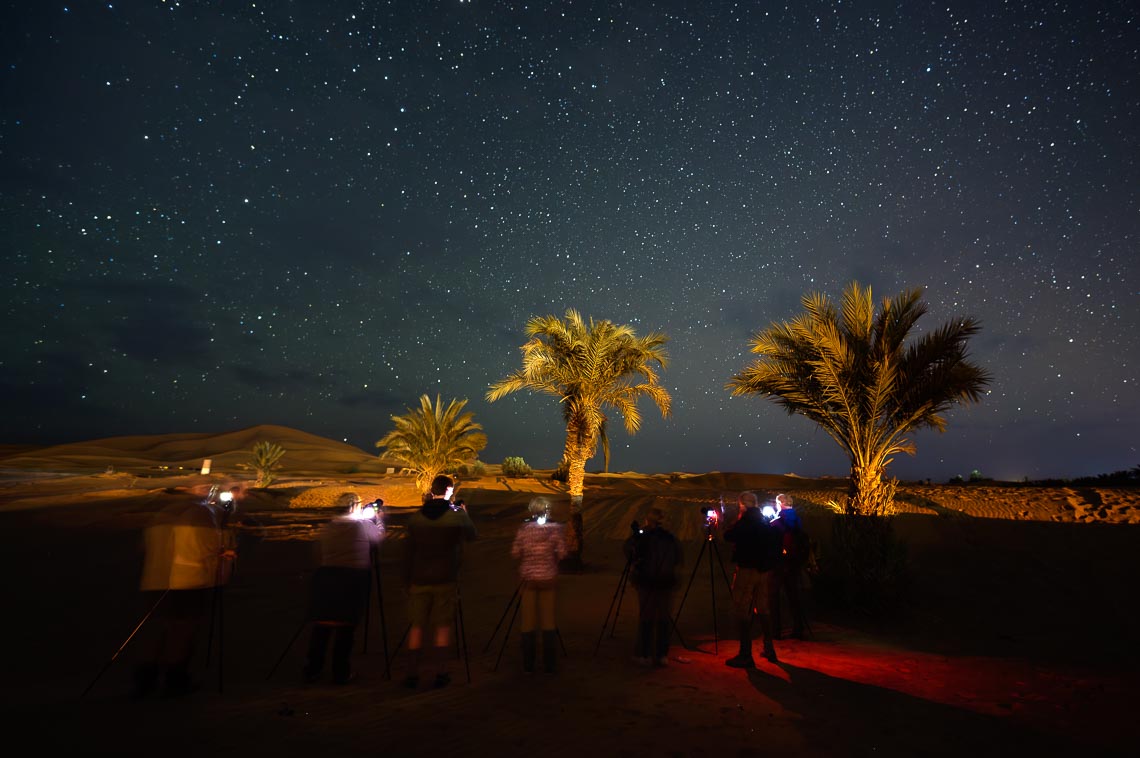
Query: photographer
point(436, 533)
point(539, 545)
point(756, 553)
point(655, 555)
point(347, 547)
point(190, 553)
point(794, 553)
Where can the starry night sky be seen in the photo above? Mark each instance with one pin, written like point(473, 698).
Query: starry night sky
point(222, 214)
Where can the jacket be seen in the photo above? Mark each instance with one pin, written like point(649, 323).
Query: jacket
point(436, 534)
point(184, 544)
point(756, 543)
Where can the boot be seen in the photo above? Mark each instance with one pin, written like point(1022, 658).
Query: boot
point(550, 650)
point(743, 659)
point(769, 648)
point(530, 650)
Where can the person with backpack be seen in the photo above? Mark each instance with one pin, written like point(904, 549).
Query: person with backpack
point(654, 555)
point(794, 550)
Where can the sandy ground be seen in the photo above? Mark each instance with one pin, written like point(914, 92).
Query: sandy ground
point(1021, 635)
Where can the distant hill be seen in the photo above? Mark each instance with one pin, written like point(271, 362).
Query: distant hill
point(304, 453)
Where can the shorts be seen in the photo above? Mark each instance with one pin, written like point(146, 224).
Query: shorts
point(750, 589)
point(432, 605)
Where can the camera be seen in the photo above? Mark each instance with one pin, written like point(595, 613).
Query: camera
point(769, 512)
point(458, 505)
point(372, 511)
point(636, 528)
point(710, 515)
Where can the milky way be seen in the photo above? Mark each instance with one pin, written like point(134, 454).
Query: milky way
point(217, 215)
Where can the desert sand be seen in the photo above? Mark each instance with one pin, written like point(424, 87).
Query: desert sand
point(1020, 636)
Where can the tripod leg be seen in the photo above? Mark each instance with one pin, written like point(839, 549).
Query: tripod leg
point(692, 576)
point(505, 611)
point(712, 595)
point(462, 634)
point(507, 634)
point(288, 647)
point(621, 597)
point(221, 636)
point(400, 644)
point(130, 637)
point(380, 607)
point(606, 620)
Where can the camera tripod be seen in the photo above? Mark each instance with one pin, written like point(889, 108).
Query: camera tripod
point(217, 608)
point(516, 603)
point(619, 595)
point(367, 615)
point(460, 640)
point(710, 539)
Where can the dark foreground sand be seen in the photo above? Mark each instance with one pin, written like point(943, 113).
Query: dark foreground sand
point(1022, 641)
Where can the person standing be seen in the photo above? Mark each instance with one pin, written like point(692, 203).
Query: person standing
point(794, 549)
point(347, 549)
point(189, 555)
point(756, 551)
point(436, 533)
point(538, 547)
point(655, 555)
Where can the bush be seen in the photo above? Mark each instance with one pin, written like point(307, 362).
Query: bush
point(478, 468)
point(865, 568)
point(515, 467)
point(561, 474)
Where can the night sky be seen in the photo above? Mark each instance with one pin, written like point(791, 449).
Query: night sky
point(222, 214)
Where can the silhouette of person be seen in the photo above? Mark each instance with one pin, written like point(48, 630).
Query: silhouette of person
point(655, 555)
point(436, 533)
point(347, 546)
point(538, 547)
point(789, 572)
point(189, 555)
point(756, 552)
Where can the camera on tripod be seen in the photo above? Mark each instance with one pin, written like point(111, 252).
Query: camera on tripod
point(636, 529)
point(371, 511)
point(710, 516)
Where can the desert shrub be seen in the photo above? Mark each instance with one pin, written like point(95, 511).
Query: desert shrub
point(514, 466)
point(478, 468)
point(956, 479)
point(562, 473)
point(976, 476)
point(865, 568)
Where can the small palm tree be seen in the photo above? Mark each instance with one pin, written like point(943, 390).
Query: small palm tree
point(852, 372)
point(430, 440)
point(589, 367)
point(266, 461)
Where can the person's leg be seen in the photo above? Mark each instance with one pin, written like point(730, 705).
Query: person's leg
point(443, 618)
point(764, 589)
point(419, 611)
point(342, 654)
point(529, 613)
point(549, 631)
point(743, 585)
point(189, 615)
point(644, 645)
point(663, 628)
point(318, 644)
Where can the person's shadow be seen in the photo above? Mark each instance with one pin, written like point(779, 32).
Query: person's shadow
point(846, 718)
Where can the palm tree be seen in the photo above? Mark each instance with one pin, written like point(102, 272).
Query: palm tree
point(851, 372)
point(589, 367)
point(431, 439)
point(265, 460)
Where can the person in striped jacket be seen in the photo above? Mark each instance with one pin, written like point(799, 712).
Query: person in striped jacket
point(539, 545)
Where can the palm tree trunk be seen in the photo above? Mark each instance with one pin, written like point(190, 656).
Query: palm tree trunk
point(576, 456)
point(870, 494)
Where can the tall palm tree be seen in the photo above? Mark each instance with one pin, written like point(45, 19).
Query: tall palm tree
point(852, 372)
point(430, 440)
point(589, 367)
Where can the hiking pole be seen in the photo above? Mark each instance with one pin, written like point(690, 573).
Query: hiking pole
point(130, 637)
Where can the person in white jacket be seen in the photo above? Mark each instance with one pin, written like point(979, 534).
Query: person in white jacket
point(190, 552)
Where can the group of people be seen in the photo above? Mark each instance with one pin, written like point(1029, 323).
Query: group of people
point(190, 549)
point(770, 556)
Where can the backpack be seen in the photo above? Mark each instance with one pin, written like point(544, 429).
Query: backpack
point(656, 556)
